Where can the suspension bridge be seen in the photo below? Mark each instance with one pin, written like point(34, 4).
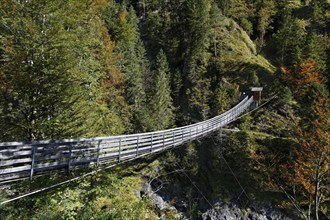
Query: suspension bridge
point(23, 160)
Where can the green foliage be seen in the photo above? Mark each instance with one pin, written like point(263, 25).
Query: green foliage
point(104, 196)
point(198, 15)
point(289, 41)
point(321, 13)
point(240, 9)
point(254, 79)
point(235, 49)
point(265, 12)
point(224, 6)
point(246, 122)
point(285, 96)
point(123, 27)
point(28, 73)
point(246, 25)
point(161, 101)
point(198, 84)
point(198, 92)
point(176, 85)
point(50, 70)
point(316, 49)
point(222, 100)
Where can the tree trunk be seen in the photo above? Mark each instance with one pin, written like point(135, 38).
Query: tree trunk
point(317, 188)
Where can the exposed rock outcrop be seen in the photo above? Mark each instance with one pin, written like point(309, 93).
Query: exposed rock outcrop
point(256, 211)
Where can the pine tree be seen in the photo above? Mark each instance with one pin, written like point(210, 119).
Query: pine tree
point(237, 9)
point(224, 6)
point(161, 101)
point(265, 12)
point(135, 89)
point(163, 30)
point(320, 16)
point(198, 93)
point(197, 83)
point(316, 48)
point(222, 100)
point(289, 41)
point(123, 27)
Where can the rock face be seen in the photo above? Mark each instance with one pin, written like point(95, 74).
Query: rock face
point(219, 211)
point(155, 199)
point(160, 204)
point(256, 211)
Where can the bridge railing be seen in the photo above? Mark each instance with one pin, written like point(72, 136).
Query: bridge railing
point(21, 160)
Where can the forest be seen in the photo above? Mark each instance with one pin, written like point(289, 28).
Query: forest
point(94, 68)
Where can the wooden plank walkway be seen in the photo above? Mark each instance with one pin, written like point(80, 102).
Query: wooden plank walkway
point(21, 160)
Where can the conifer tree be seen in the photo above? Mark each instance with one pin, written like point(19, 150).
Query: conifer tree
point(106, 94)
point(196, 60)
point(239, 9)
point(316, 48)
point(161, 101)
point(265, 12)
point(289, 41)
point(123, 27)
point(320, 16)
point(224, 6)
point(222, 100)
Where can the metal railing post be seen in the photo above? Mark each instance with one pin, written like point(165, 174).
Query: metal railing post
point(151, 144)
point(98, 153)
point(220, 135)
point(137, 145)
point(202, 130)
point(69, 161)
point(119, 153)
point(32, 162)
point(163, 140)
point(190, 134)
point(196, 131)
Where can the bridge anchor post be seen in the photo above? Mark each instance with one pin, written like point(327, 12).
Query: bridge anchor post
point(256, 93)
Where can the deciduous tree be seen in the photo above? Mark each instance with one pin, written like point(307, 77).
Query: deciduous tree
point(56, 59)
point(311, 166)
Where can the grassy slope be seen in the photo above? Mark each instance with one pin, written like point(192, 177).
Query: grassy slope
point(236, 50)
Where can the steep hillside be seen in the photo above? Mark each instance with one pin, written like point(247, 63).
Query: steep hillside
point(234, 48)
